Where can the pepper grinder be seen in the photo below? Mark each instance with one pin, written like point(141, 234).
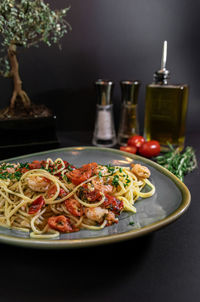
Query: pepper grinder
point(128, 125)
point(104, 130)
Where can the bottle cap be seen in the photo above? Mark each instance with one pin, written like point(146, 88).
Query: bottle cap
point(104, 90)
point(163, 74)
point(130, 91)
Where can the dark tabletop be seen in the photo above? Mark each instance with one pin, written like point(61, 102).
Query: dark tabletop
point(162, 266)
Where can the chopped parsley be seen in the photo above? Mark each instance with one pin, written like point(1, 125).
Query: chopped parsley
point(66, 179)
point(115, 181)
point(110, 168)
point(127, 181)
point(25, 165)
point(131, 223)
point(70, 168)
point(100, 174)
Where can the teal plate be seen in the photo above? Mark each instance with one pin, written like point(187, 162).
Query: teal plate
point(169, 202)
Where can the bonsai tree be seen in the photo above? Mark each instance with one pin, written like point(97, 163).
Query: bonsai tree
point(26, 23)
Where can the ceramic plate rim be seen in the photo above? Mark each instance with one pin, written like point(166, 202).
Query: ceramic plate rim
point(75, 243)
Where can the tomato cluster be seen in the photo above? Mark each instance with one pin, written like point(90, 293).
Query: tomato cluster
point(138, 144)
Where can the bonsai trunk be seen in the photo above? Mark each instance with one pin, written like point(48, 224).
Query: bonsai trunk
point(18, 93)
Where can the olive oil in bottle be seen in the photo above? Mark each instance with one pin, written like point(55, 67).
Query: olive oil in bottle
point(165, 109)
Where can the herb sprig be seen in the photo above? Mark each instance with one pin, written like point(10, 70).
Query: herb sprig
point(179, 163)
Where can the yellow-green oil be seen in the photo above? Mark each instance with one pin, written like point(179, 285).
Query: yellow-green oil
point(165, 114)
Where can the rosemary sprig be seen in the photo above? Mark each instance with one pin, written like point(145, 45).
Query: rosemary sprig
point(179, 163)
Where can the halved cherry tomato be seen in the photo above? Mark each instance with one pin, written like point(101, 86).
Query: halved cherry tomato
point(37, 164)
point(150, 149)
point(113, 204)
point(36, 205)
point(51, 191)
point(77, 176)
point(67, 165)
point(91, 196)
point(24, 170)
point(130, 149)
point(94, 195)
point(136, 141)
point(62, 193)
point(74, 207)
point(60, 223)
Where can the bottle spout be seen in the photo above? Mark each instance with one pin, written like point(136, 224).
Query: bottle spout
point(161, 76)
point(164, 56)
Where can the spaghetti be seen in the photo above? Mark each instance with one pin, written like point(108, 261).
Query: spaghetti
point(49, 197)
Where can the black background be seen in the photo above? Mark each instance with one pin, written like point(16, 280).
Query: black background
point(112, 39)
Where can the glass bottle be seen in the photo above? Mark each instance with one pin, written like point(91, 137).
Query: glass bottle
point(104, 131)
point(165, 109)
point(128, 125)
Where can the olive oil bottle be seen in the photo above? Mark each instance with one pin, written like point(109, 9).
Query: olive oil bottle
point(165, 109)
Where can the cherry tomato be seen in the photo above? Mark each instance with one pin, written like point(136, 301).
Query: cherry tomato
point(136, 141)
point(24, 170)
point(77, 176)
point(150, 149)
point(36, 205)
point(51, 191)
point(67, 165)
point(60, 223)
point(93, 196)
point(130, 149)
point(62, 193)
point(113, 204)
point(36, 164)
point(74, 207)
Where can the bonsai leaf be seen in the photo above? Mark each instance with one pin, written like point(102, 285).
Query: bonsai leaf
point(26, 23)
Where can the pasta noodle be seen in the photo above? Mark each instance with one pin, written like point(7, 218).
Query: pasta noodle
point(49, 197)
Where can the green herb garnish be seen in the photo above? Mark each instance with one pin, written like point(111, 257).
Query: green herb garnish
point(66, 179)
point(115, 181)
point(100, 174)
point(69, 168)
point(179, 163)
point(131, 223)
point(110, 168)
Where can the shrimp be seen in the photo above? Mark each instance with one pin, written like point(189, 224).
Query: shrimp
point(111, 218)
point(38, 183)
point(99, 185)
point(140, 171)
point(12, 168)
point(96, 214)
point(102, 169)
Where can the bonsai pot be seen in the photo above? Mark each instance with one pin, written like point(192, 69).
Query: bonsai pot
point(28, 131)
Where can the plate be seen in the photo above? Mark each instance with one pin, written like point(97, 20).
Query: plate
point(170, 201)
